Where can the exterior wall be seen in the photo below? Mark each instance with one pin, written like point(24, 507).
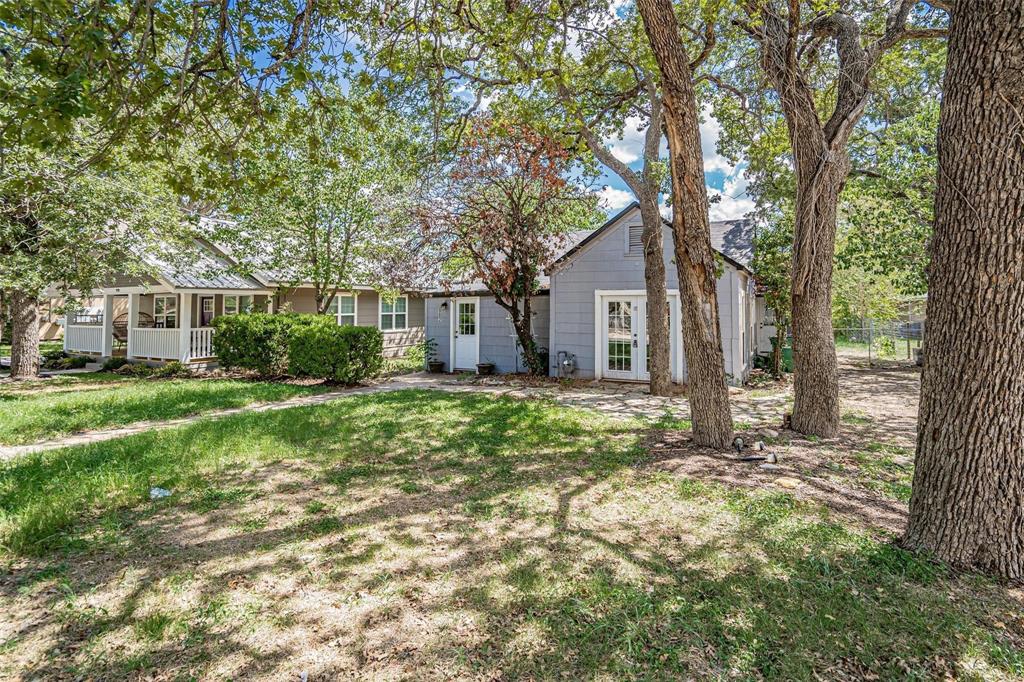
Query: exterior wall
point(437, 326)
point(606, 264)
point(498, 342)
point(303, 300)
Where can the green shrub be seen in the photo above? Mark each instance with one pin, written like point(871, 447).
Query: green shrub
point(135, 370)
point(324, 350)
point(256, 341)
point(171, 369)
point(58, 359)
point(114, 363)
point(421, 352)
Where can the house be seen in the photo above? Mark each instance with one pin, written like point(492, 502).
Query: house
point(167, 314)
point(591, 310)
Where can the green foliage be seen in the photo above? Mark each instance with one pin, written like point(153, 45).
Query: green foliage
point(114, 363)
point(422, 352)
point(325, 195)
point(58, 359)
point(256, 341)
point(859, 295)
point(302, 345)
point(171, 370)
point(343, 354)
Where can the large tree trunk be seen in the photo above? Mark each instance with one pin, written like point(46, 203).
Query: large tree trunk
point(702, 338)
point(967, 506)
point(25, 342)
point(821, 171)
point(659, 364)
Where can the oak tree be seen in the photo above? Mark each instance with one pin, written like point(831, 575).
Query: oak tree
point(967, 505)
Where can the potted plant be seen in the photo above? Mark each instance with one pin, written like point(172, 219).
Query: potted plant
point(485, 368)
point(434, 366)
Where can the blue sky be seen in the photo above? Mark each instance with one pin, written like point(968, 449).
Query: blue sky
point(723, 178)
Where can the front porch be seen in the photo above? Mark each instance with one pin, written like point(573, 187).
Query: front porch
point(153, 326)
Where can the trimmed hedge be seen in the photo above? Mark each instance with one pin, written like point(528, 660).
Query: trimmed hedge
point(300, 345)
point(257, 341)
point(343, 354)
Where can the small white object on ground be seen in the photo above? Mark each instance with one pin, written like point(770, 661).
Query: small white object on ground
point(768, 467)
point(771, 458)
point(159, 493)
point(759, 446)
point(770, 433)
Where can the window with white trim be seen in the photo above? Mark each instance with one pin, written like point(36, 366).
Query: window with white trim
point(394, 313)
point(343, 307)
point(165, 311)
point(234, 305)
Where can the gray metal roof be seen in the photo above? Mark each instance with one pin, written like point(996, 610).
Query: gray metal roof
point(199, 267)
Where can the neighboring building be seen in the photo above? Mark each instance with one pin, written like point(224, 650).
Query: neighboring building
point(591, 311)
point(167, 315)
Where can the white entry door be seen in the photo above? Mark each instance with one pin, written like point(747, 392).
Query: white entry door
point(465, 333)
point(625, 347)
point(623, 331)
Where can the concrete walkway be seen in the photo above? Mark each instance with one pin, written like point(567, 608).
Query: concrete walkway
point(619, 401)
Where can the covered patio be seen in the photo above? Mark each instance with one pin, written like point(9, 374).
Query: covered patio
point(156, 325)
point(165, 316)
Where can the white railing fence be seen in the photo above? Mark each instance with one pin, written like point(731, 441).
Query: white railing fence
point(84, 338)
point(160, 344)
point(201, 345)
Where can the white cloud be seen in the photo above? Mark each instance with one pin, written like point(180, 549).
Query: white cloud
point(614, 199)
point(630, 147)
point(710, 129)
point(734, 202)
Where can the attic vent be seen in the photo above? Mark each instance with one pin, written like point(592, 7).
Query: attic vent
point(636, 242)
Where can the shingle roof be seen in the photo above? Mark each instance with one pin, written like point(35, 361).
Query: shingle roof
point(734, 239)
point(572, 240)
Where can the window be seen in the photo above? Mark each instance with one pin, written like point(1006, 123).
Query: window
point(343, 307)
point(394, 313)
point(237, 304)
point(165, 311)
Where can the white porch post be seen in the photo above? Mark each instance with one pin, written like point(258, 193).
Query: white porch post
point(108, 326)
point(185, 319)
point(133, 322)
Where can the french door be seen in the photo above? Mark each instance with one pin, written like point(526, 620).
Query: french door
point(625, 338)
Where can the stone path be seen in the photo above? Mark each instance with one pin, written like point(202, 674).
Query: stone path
point(620, 401)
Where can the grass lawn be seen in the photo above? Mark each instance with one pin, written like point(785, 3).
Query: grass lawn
point(44, 346)
point(425, 535)
point(37, 410)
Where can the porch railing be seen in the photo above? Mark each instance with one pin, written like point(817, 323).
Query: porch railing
point(83, 338)
point(158, 344)
point(201, 346)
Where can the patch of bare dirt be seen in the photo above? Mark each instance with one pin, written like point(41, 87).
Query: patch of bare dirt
point(861, 475)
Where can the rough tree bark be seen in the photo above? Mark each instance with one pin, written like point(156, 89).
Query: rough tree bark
point(659, 364)
point(822, 165)
point(967, 506)
point(646, 186)
point(25, 340)
point(702, 338)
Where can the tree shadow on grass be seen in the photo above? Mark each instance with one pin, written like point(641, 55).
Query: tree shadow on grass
point(431, 536)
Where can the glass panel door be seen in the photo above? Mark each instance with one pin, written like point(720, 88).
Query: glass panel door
point(620, 340)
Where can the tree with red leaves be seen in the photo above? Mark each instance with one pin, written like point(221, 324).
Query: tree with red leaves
point(506, 209)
